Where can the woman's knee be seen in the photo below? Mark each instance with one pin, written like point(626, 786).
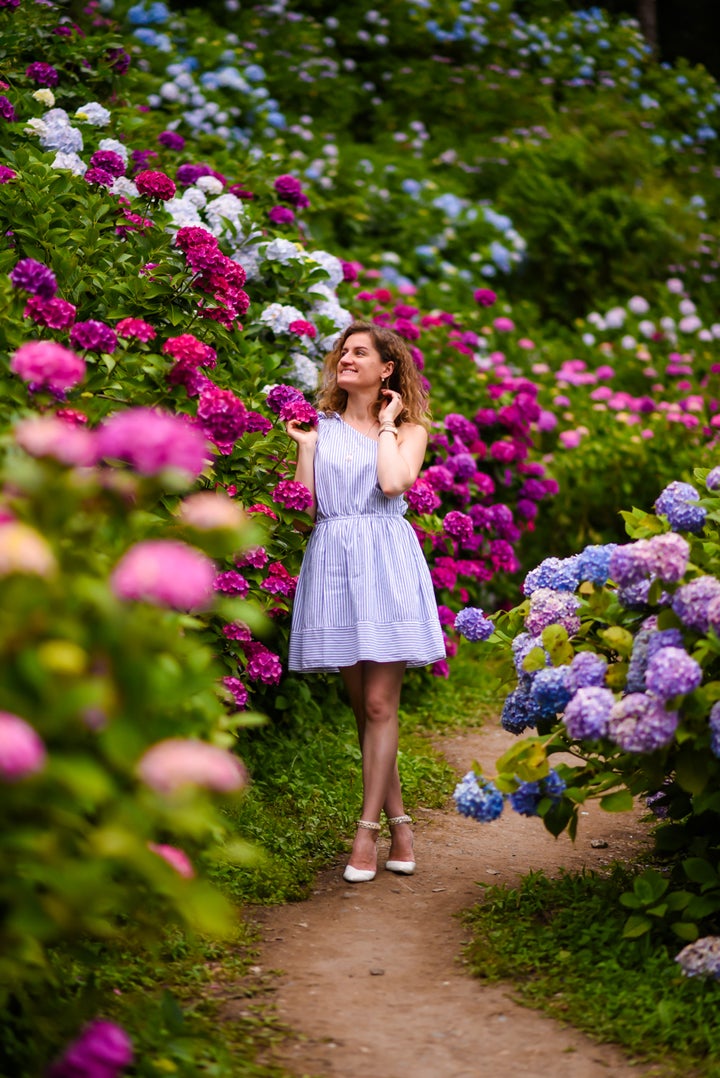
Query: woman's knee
point(378, 708)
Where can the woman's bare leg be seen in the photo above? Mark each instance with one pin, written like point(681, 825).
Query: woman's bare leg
point(354, 679)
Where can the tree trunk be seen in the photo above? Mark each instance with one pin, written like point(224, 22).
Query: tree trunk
point(647, 17)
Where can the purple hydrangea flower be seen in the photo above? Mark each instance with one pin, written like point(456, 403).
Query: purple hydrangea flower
point(714, 721)
point(593, 563)
point(701, 958)
point(664, 638)
point(478, 798)
point(676, 503)
point(672, 672)
point(550, 691)
point(171, 140)
point(300, 410)
point(640, 723)
point(522, 645)
point(462, 427)
point(7, 110)
point(691, 602)
point(458, 525)
point(586, 716)
point(42, 74)
point(713, 479)
point(34, 277)
point(281, 215)
point(550, 607)
point(93, 336)
point(635, 681)
point(632, 563)
point(473, 625)
point(560, 574)
point(669, 555)
point(281, 395)
point(637, 596)
point(587, 669)
point(102, 1050)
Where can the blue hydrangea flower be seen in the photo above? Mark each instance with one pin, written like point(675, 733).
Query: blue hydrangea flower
point(586, 669)
point(594, 563)
point(549, 607)
point(713, 479)
point(478, 798)
point(657, 803)
point(586, 716)
point(672, 672)
point(549, 690)
point(676, 503)
point(714, 721)
point(669, 554)
point(519, 710)
point(560, 574)
point(640, 723)
point(553, 786)
point(522, 645)
point(528, 795)
point(635, 596)
point(631, 563)
point(473, 625)
point(701, 958)
point(691, 601)
point(639, 656)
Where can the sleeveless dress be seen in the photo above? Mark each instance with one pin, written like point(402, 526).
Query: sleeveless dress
point(364, 590)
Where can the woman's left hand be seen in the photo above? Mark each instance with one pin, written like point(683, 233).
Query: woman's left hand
point(391, 407)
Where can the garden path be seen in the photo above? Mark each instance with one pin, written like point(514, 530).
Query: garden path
point(372, 982)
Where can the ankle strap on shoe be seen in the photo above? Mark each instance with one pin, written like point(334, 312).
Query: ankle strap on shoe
point(368, 825)
point(393, 820)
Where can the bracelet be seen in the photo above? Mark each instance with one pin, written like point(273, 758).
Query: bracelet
point(388, 430)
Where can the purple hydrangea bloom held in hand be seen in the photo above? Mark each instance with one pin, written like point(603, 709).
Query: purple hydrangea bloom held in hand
point(473, 625)
point(300, 410)
point(478, 798)
point(280, 395)
point(691, 602)
point(676, 503)
point(34, 277)
point(586, 716)
point(640, 723)
point(672, 672)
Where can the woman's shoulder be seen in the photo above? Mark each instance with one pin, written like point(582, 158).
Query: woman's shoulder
point(414, 431)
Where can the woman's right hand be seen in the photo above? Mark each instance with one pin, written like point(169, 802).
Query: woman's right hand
point(307, 439)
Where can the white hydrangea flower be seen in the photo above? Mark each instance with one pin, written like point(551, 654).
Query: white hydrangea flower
point(638, 305)
point(283, 251)
point(124, 186)
point(249, 258)
point(194, 197)
point(646, 327)
point(686, 306)
point(210, 185)
point(94, 114)
point(628, 342)
point(45, 96)
point(690, 324)
point(228, 207)
point(321, 288)
point(115, 146)
point(35, 126)
point(70, 162)
point(596, 320)
point(331, 309)
point(278, 316)
point(183, 215)
point(331, 264)
point(615, 317)
point(304, 374)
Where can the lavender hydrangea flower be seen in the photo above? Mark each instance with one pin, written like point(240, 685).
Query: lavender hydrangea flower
point(549, 690)
point(549, 607)
point(691, 602)
point(676, 503)
point(522, 645)
point(637, 596)
point(701, 958)
point(478, 798)
point(631, 563)
point(640, 723)
point(586, 716)
point(587, 669)
point(714, 722)
point(594, 563)
point(34, 277)
point(528, 795)
point(672, 672)
point(669, 554)
point(713, 479)
point(664, 638)
point(560, 574)
point(473, 625)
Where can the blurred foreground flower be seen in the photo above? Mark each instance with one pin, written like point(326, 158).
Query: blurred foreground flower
point(47, 365)
point(166, 573)
point(102, 1050)
point(174, 763)
point(23, 550)
point(22, 751)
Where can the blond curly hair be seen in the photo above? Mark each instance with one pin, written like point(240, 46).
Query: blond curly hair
point(405, 378)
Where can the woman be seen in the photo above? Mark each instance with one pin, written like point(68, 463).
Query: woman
point(365, 603)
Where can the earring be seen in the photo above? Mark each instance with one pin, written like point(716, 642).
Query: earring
point(383, 384)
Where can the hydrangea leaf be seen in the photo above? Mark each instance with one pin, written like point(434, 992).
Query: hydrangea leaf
point(636, 926)
point(618, 639)
point(619, 801)
point(692, 769)
point(534, 660)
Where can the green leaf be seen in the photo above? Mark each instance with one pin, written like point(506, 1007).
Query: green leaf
point(693, 768)
point(686, 930)
point(699, 870)
point(619, 801)
point(172, 1014)
point(649, 886)
point(636, 926)
point(618, 639)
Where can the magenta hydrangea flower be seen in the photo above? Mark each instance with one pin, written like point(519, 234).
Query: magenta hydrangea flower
point(155, 185)
point(42, 74)
point(485, 297)
point(188, 348)
point(458, 525)
point(256, 557)
point(167, 573)
point(281, 215)
point(54, 313)
point(300, 410)
point(102, 1050)
point(302, 328)
point(108, 161)
point(222, 416)
point(292, 495)
point(280, 395)
point(152, 441)
point(171, 140)
point(262, 664)
point(135, 328)
point(257, 423)
point(177, 762)
point(421, 497)
point(34, 277)
point(238, 690)
point(49, 436)
point(7, 109)
point(93, 336)
point(289, 189)
point(279, 581)
point(176, 858)
point(7, 174)
point(22, 751)
point(46, 365)
point(231, 583)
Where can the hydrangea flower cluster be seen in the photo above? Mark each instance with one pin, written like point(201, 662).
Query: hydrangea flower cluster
point(166, 573)
point(102, 1049)
point(292, 495)
point(473, 625)
point(151, 441)
point(672, 672)
point(587, 714)
point(478, 798)
point(550, 607)
point(527, 797)
point(678, 503)
point(701, 958)
point(639, 723)
point(22, 752)
point(46, 365)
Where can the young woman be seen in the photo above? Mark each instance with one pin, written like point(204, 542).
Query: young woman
point(365, 603)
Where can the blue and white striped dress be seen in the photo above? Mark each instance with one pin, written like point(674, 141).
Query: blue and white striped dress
point(364, 590)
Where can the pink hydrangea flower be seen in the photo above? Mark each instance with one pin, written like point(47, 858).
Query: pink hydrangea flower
point(155, 185)
point(231, 583)
point(188, 348)
point(209, 511)
point(46, 365)
point(223, 417)
point(485, 297)
point(22, 751)
point(300, 410)
point(262, 664)
point(504, 325)
point(7, 174)
point(176, 858)
point(48, 436)
point(152, 441)
point(55, 313)
point(256, 557)
point(169, 765)
point(167, 573)
point(238, 690)
point(135, 328)
point(102, 1050)
point(302, 328)
point(292, 495)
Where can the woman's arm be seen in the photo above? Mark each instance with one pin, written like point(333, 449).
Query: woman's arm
point(306, 441)
point(400, 458)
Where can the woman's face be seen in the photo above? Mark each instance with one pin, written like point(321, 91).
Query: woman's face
point(360, 365)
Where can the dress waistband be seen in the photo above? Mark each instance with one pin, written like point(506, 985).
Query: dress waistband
point(360, 516)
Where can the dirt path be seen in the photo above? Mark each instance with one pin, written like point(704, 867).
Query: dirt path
point(372, 982)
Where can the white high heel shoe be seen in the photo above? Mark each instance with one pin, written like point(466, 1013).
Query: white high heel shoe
point(403, 868)
point(361, 875)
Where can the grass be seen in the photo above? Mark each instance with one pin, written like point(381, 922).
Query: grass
point(560, 943)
